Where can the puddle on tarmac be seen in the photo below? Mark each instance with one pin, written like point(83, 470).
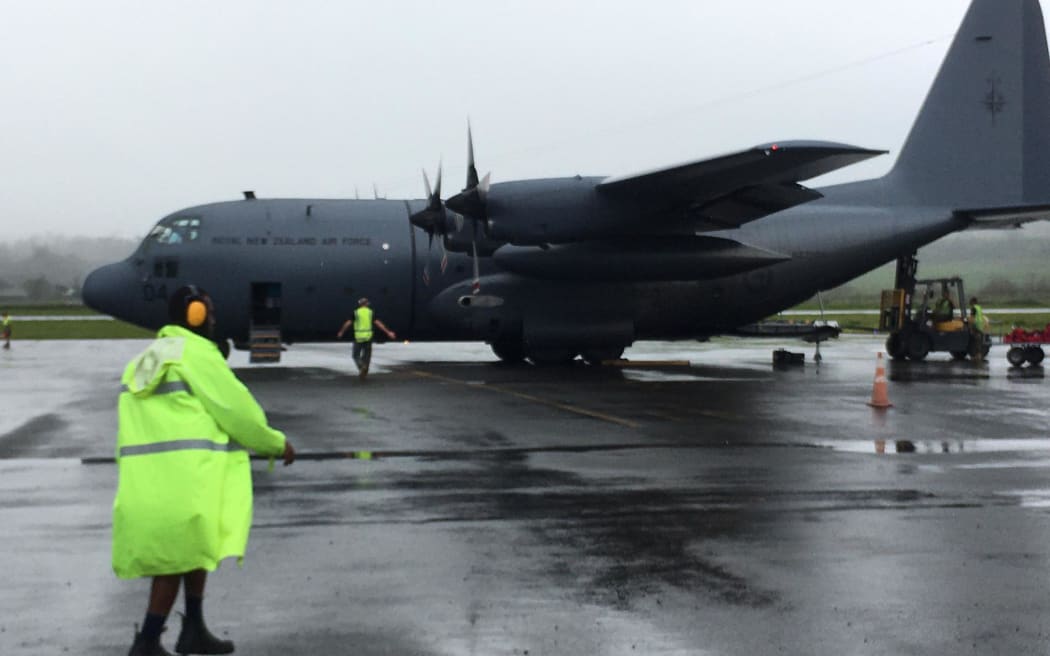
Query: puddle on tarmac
point(650, 376)
point(1030, 498)
point(944, 447)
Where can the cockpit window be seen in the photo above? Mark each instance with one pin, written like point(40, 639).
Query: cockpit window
point(175, 230)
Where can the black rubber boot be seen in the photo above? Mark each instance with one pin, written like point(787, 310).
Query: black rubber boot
point(195, 638)
point(143, 647)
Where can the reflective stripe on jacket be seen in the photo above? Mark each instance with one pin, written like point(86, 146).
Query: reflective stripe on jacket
point(363, 324)
point(184, 495)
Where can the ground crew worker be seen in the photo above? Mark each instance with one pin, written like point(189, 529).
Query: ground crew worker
point(362, 321)
point(978, 326)
point(184, 495)
point(6, 330)
point(945, 309)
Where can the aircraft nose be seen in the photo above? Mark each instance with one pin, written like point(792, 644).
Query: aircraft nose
point(106, 289)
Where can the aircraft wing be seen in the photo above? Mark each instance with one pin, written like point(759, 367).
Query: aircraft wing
point(989, 218)
point(731, 190)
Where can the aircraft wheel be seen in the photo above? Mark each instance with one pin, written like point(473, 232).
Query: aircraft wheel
point(1016, 356)
point(551, 356)
point(509, 352)
point(959, 355)
point(595, 356)
point(918, 347)
point(1034, 355)
point(895, 346)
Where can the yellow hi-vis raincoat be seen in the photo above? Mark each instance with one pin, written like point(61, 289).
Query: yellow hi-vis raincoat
point(184, 496)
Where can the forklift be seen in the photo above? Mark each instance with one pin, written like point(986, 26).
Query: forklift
point(919, 322)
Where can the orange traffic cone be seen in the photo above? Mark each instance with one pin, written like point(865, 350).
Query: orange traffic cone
point(879, 396)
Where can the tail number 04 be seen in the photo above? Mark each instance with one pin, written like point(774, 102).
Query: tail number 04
point(154, 292)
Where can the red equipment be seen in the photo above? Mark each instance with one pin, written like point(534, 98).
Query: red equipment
point(1026, 345)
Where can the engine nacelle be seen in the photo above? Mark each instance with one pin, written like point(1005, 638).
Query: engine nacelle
point(534, 212)
point(461, 235)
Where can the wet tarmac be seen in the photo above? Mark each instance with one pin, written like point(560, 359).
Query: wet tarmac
point(724, 507)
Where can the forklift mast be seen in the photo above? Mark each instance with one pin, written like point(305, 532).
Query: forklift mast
point(895, 308)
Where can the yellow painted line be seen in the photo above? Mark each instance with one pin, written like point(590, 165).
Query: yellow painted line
point(535, 399)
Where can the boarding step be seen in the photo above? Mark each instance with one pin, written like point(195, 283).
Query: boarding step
point(265, 344)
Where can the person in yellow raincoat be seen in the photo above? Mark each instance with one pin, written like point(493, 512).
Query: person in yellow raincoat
point(184, 494)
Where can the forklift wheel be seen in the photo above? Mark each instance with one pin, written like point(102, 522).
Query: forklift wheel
point(895, 346)
point(959, 355)
point(918, 347)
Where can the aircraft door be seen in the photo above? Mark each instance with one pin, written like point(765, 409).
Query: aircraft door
point(266, 304)
point(265, 329)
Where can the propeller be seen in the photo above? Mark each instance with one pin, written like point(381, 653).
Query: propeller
point(472, 203)
point(432, 219)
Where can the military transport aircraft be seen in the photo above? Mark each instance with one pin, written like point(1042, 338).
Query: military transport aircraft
point(554, 268)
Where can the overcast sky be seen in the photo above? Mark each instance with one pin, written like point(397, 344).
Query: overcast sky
point(117, 113)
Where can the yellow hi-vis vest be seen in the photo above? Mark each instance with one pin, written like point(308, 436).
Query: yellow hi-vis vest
point(363, 324)
point(980, 321)
point(184, 495)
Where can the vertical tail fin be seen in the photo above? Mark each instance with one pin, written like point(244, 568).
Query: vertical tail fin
point(982, 137)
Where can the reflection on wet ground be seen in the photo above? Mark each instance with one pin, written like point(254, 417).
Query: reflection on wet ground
point(944, 446)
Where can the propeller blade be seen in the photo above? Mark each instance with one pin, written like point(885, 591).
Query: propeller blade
point(475, 287)
point(426, 183)
point(472, 171)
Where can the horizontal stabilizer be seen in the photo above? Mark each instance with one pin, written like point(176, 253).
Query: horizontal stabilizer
point(733, 189)
point(989, 218)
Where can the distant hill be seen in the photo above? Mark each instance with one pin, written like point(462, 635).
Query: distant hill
point(999, 266)
point(46, 266)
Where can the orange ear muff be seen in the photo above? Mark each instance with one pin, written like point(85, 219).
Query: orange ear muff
point(196, 314)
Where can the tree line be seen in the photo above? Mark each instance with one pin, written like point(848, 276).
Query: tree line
point(52, 268)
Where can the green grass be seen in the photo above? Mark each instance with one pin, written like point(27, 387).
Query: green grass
point(48, 309)
point(1001, 322)
point(871, 302)
point(73, 329)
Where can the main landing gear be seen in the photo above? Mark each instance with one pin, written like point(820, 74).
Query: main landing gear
point(514, 352)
